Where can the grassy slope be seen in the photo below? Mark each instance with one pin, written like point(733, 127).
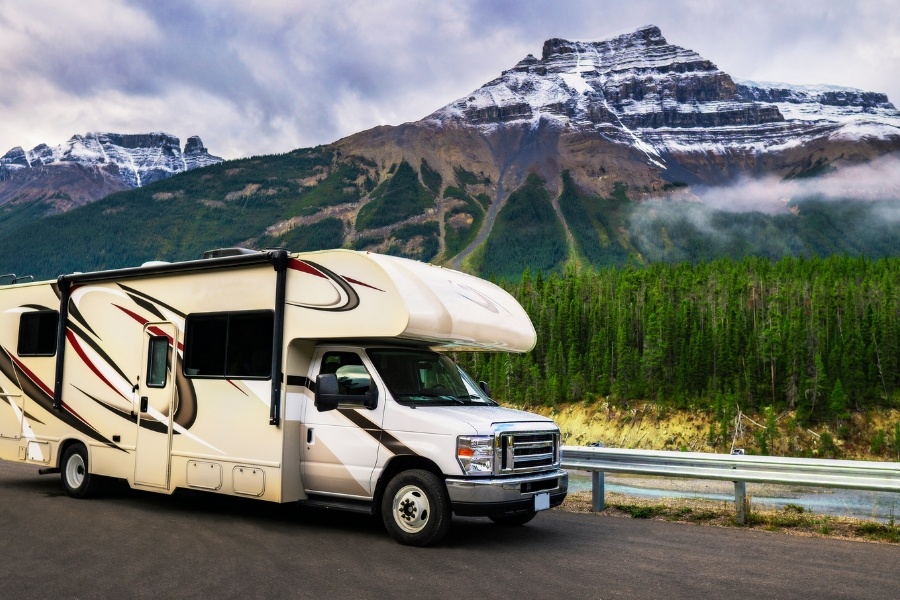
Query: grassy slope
point(398, 198)
point(461, 222)
point(526, 233)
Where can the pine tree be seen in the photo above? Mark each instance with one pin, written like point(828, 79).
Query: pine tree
point(837, 402)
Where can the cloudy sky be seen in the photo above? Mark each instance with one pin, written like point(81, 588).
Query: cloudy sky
point(264, 76)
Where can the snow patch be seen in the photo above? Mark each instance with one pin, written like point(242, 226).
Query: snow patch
point(141, 158)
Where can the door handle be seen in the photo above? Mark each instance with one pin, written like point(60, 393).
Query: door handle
point(144, 403)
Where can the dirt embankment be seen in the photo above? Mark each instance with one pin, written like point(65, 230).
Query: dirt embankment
point(863, 436)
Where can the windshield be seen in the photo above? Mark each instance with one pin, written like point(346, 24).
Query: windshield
point(420, 377)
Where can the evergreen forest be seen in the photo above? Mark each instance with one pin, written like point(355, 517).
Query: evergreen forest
point(818, 336)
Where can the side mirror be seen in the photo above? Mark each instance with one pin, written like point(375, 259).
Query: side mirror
point(329, 396)
point(371, 397)
point(484, 388)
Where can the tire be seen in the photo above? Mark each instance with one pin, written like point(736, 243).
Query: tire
point(415, 508)
point(76, 478)
point(514, 520)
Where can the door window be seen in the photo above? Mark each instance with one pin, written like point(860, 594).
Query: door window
point(353, 377)
point(158, 361)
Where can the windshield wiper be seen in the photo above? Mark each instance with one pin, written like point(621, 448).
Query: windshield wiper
point(461, 399)
point(480, 400)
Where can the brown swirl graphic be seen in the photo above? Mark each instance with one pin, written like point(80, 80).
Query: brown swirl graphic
point(37, 392)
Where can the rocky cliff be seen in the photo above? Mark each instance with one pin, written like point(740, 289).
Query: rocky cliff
point(92, 166)
point(637, 109)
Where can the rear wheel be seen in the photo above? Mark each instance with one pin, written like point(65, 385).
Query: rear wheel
point(76, 478)
point(514, 520)
point(416, 508)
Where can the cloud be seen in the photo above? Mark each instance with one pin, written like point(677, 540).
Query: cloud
point(862, 210)
point(873, 181)
point(272, 75)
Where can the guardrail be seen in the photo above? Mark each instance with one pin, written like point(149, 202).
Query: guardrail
point(850, 474)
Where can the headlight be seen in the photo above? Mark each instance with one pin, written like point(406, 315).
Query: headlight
point(475, 454)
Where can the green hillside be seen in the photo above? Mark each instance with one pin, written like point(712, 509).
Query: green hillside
point(525, 234)
point(232, 203)
point(314, 198)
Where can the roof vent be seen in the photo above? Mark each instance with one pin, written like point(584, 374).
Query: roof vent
point(221, 252)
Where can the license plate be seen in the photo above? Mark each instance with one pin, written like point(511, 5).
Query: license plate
point(541, 502)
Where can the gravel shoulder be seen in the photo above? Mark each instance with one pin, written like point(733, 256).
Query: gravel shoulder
point(791, 520)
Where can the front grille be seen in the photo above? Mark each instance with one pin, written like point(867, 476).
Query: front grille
point(527, 451)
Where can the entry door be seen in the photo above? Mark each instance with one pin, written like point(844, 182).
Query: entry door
point(156, 399)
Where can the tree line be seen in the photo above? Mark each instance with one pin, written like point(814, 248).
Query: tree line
point(820, 336)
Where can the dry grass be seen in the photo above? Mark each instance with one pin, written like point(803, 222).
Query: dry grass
point(643, 425)
point(639, 426)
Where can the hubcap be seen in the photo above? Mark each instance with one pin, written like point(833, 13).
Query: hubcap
point(75, 471)
point(411, 508)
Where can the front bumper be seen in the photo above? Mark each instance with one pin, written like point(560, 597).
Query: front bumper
point(485, 497)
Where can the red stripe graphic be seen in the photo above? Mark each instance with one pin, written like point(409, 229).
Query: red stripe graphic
point(299, 265)
point(133, 315)
point(153, 330)
point(236, 387)
point(31, 376)
point(80, 351)
point(351, 280)
point(36, 381)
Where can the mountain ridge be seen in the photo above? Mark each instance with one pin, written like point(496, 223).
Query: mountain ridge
point(88, 167)
point(635, 94)
point(602, 127)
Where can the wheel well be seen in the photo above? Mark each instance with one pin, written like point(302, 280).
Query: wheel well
point(396, 465)
point(65, 445)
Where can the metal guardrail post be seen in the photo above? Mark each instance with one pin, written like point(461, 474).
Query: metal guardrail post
point(740, 502)
point(598, 491)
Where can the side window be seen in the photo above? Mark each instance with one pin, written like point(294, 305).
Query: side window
point(37, 333)
point(157, 361)
point(234, 345)
point(353, 377)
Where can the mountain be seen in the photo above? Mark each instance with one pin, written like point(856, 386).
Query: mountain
point(635, 108)
point(579, 155)
point(86, 168)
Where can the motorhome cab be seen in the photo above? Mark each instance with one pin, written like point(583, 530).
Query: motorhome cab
point(320, 378)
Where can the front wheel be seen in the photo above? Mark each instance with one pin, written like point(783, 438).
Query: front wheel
point(416, 508)
point(76, 479)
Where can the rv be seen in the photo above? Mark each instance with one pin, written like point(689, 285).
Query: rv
point(320, 378)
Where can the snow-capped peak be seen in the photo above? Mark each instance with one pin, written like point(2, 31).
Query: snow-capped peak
point(638, 89)
point(136, 159)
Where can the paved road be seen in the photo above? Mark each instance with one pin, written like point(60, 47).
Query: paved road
point(134, 544)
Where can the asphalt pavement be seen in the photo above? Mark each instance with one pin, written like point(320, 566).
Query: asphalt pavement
point(129, 544)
